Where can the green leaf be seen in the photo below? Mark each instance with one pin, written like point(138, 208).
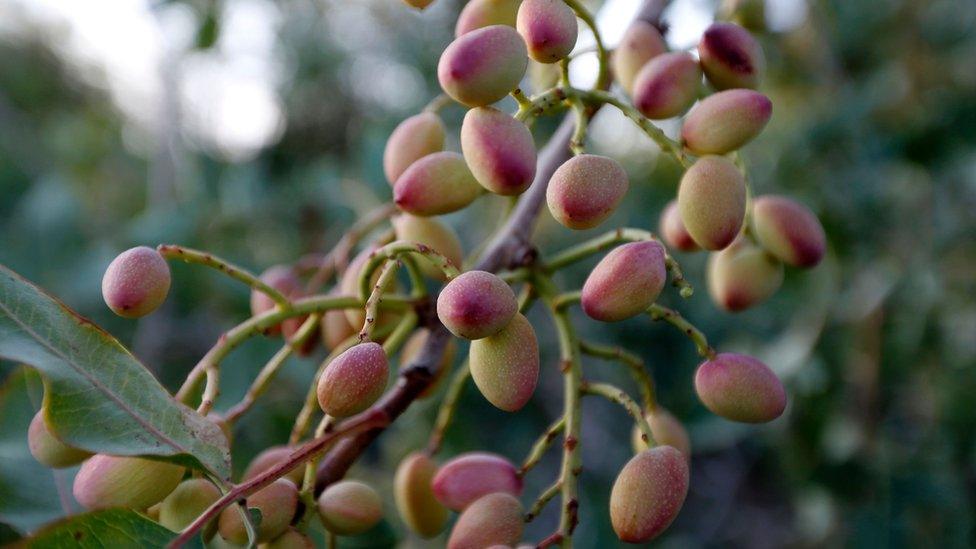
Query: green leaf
point(30, 493)
point(102, 529)
point(97, 396)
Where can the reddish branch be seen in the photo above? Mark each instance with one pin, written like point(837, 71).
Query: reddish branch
point(370, 419)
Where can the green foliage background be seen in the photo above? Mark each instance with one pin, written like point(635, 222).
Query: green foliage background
point(874, 127)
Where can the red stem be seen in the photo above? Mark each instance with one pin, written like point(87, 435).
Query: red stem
point(370, 419)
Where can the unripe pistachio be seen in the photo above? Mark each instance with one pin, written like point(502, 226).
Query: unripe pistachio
point(740, 388)
point(482, 66)
point(270, 457)
point(542, 76)
point(725, 121)
point(114, 481)
point(549, 29)
point(283, 279)
point(188, 501)
point(505, 366)
point(419, 4)
point(648, 494)
point(495, 519)
point(788, 230)
point(731, 57)
point(484, 13)
point(673, 230)
point(435, 235)
point(667, 431)
point(48, 449)
point(415, 500)
point(712, 202)
point(499, 150)
point(667, 85)
point(742, 275)
point(136, 282)
point(585, 190)
point(476, 304)
point(625, 282)
point(468, 477)
point(438, 183)
point(412, 348)
point(411, 140)
point(335, 328)
point(277, 503)
point(640, 43)
point(291, 539)
point(350, 507)
point(354, 380)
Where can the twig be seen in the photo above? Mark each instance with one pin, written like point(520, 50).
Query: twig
point(633, 363)
point(619, 396)
point(362, 422)
point(448, 405)
point(260, 323)
point(189, 255)
point(674, 318)
point(541, 445)
point(540, 503)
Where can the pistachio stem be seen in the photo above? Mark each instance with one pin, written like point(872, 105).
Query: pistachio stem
point(335, 260)
point(619, 396)
point(395, 249)
point(189, 255)
point(370, 419)
point(544, 498)
point(608, 240)
point(387, 276)
point(674, 318)
point(447, 408)
point(541, 445)
point(231, 339)
point(271, 368)
point(633, 362)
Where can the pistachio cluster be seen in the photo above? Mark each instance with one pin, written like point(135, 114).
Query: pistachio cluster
point(364, 320)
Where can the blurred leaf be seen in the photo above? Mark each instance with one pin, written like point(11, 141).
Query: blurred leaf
point(209, 31)
point(98, 396)
point(100, 529)
point(29, 491)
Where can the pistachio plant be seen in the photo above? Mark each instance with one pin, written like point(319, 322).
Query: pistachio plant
point(355, 307)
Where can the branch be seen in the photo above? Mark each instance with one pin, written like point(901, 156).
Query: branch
point(364, 421)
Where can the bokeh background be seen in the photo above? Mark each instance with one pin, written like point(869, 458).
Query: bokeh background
point(254, 129)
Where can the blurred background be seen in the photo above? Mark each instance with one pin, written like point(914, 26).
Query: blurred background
point(254, 129)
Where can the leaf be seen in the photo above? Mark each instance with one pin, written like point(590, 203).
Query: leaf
point(102, 529)
point(98, 396)
point(30, 493)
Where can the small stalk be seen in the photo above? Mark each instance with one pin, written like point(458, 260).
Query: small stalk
point(543, 443)
point(189, 255)
point(619, 396)
point(370, 419)
point(674, 318)
point(387, 276)
point(271, 368)
point(633, 362)
point(544, 498)
point(448, 406)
